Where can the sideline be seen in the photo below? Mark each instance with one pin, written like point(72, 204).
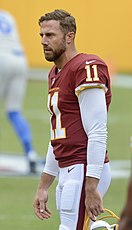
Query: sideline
point(119, 80)
point(16, 165)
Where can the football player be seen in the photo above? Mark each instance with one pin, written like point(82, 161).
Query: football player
point(13, 80)
point(78, 101)
point(126, 216)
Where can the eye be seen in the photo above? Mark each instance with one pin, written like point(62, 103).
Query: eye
point(41, 35)
point(49, 35)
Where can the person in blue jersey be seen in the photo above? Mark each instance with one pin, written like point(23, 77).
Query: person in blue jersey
point(13, 81)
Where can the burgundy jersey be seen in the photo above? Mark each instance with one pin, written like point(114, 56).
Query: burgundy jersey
point(68, 137)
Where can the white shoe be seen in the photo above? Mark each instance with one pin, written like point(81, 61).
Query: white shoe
point(32, 156)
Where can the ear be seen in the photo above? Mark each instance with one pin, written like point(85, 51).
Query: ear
point(70, 37)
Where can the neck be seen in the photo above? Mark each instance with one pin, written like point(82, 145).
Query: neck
point(66, 57)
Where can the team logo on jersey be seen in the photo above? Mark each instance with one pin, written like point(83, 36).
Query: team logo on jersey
point(89, 62)
point(69, 170)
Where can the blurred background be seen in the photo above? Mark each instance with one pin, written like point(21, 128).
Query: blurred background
point(103, 28)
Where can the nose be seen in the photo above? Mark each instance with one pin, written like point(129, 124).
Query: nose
point(44, 40)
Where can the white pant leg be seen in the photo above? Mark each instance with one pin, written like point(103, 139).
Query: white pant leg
point(69, 190)
point(105, 179)
point(13, 79)
point(68, 195)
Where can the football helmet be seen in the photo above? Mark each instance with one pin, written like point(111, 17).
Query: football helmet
point(102, 225)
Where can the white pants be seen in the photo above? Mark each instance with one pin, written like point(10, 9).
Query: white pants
point(70, 195)
point(13, 79)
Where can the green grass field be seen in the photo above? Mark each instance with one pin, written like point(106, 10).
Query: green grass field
point(17, 193)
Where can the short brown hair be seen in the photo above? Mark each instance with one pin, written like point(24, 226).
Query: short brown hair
point(67, 22)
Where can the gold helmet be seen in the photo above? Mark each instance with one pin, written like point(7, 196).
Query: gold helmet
point(102, 225)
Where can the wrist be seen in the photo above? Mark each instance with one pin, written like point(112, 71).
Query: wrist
point(91, 183)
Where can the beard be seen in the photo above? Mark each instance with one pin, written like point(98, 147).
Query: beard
point(54, 55)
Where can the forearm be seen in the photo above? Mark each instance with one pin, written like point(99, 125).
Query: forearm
point(94, 119)
point(96, 151)
point(45, 181)
point(93, 201)
point(51, 166)
point(91, 183)
point(49, 173)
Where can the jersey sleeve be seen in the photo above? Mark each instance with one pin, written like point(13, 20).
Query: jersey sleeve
point(91, 75)
point(51, 166)
point(94, 114)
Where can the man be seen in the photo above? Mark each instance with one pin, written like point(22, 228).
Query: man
point(126, 216)
point(79, 96)
point(13, 80)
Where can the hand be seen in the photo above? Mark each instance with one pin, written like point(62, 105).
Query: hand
point(93, 200)
point(40, 205)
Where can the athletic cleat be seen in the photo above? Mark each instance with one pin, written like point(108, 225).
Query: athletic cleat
point(33, 166)
point(32, 158)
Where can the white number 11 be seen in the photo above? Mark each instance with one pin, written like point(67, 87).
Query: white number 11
point(88, 71)
point(58, 132)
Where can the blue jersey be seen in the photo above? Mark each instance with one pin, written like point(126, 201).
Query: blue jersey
point(9, 38)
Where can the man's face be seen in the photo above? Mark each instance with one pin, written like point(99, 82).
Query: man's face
point(53, 40)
